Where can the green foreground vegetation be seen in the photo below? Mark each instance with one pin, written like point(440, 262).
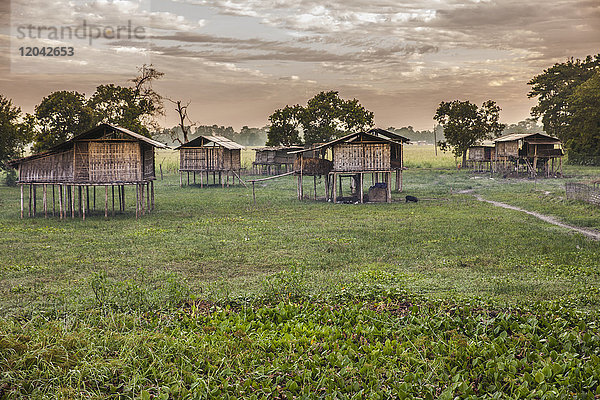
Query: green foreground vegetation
point(212, 296)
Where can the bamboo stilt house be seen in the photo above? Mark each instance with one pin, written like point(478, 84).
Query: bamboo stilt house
point(106, 156)
point(210, 154)
point(531, 153)
point(377, 153)
point(481, 156)
point(274, 160)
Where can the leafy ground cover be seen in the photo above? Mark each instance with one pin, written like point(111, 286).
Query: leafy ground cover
point(212, 296)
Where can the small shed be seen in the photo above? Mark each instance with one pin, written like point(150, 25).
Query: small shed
point(481, 156)
point(377, 153)
point(210, 154)
point(274, 160)
point(531, 153)
point(106, 155)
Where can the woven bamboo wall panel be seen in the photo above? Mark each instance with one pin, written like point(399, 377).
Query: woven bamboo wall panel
point(149, 167)
point(476, 154)
point(507, 149)
point(209, 159)
point(361, 157)
point(115, 162)
point(56, 167)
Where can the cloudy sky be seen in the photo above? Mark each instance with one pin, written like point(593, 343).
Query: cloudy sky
point(238, 60)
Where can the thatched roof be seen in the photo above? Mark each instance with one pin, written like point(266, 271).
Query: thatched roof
point(360, 137)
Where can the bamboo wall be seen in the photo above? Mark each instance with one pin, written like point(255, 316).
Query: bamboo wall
point(274, 157)
point(93, 162)
point(507, 149)
point(361, 157)
point(53, 168)
point(209, 159)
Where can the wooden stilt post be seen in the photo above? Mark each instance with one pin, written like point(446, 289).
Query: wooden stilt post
point(80, 193)
point(143, 205)
point(94, 198)
point(315, 185)
point(45, 200)
point(194, 177)
point(21, 201)
point(112, 189)
point(105, 201)
point(201, 180)
point(334, 186)
point(137, 200)
point(53, 202)
point(30, 199)
point(60, 201)
point(123, 190)
point(34, 200)
point(85, 204)
point(221, 180)
point(180, 179)
point(152, 189)
point(188, 178)
point(341, 187)
point(72, 191)
point(87, 198)
point(326, 186)
point(360, 188)
point(253, 193)
point(148, 196)
point(388, 178)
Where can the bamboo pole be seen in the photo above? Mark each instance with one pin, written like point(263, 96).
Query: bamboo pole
point(143, 206)
point(360, 185)
point(94, 198)
point(53, 202)
point(137, 200)
point(152, 188)
point(334, 186)
point(21, 201)
point(30, 191)
point(72, 201)
point(85, 203)
point(112, 189)
point(45, 200)
point(315, 185)
point(80, 193)
point(60, 201)
point(388, 178)
point(148, 196)
point(34, 200)
point(105, 201)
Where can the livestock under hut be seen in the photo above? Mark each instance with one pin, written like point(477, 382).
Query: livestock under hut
point(207, 155)
point(274, 160)
point(377, 153)
point(481, 156)
point(531, 153)
point(106, 156)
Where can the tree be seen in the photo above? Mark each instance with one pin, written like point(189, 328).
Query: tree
point(129, 107)
point(465, 124)
point(325, 117)
point(12, 133)
point(583, 134)
point(59, 116)
point(183, 116)
point(284, 126)
point(554, 88)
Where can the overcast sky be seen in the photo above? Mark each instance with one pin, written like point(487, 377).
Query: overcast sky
point(237, 61)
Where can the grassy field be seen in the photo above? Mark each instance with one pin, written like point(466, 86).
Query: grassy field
point(212, 296)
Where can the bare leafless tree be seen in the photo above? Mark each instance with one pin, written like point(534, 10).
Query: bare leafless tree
point(182, 110)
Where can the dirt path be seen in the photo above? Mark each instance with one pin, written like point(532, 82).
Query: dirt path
point(590, 233)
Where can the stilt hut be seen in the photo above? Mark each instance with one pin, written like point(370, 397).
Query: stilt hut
point(106, 156)
point(210, 154)
point(372, 153)
point(481, 156)
point(274, 160)
point(531, 153)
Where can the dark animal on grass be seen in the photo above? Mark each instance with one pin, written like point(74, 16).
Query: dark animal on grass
point(411, 199)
